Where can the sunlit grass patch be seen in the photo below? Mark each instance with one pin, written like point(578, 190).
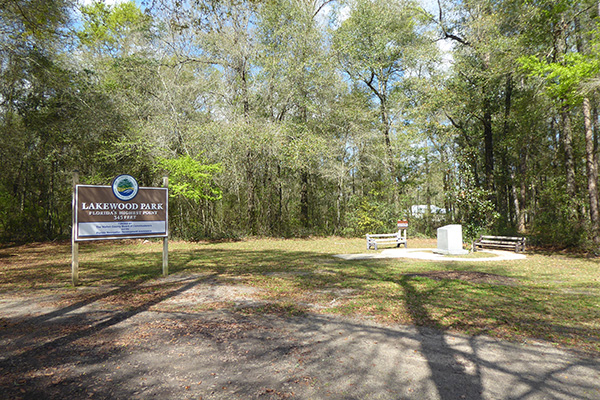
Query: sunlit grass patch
point(549, 297)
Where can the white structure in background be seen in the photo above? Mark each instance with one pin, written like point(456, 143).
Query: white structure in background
point(449, 240)
point(419, 210)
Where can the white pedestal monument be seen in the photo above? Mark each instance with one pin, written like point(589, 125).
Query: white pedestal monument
point(449, 240)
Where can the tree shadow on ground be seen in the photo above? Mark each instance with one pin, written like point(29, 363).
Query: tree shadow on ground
point(470, 384)
point(235, 354)
point(113, 344)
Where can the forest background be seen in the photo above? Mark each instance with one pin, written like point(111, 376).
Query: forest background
point(306, 117)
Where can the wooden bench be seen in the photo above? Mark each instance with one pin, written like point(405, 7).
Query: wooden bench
point(397, 238)
point(503, 242)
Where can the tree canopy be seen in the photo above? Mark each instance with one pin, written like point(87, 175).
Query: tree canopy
point(297, 117)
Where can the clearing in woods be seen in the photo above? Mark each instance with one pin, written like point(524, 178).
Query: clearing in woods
point(285, 319)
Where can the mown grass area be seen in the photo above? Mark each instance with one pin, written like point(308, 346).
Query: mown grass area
point(555, 298)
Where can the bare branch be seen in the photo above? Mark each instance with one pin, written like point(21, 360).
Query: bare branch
point(321, 7)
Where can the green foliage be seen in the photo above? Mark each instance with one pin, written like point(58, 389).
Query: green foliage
point(52, 117)
point(564, 78)
point(191, 179)
point(193, 191)
point(370, 214)
point(375, 38)
point(289, 146)
point(368, 217)
point(556, 223)
point(25, 24)
point(108, 28)
point(475, 211)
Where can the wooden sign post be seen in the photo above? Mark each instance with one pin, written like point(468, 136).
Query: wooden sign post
point(166, 238)
point(74, 243)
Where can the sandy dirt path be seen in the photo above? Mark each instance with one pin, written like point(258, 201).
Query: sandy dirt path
point(175, 347)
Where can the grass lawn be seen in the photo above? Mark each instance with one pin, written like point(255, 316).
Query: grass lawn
point(554, 298)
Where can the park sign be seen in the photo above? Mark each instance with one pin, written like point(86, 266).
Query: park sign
point(122, 210)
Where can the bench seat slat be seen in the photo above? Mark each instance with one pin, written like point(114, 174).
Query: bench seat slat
point(503, 238)
point(498, 242)
point(512, 242)
point(383, 235)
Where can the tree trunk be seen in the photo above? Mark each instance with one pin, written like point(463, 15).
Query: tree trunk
point(251, 196)
point(386, 135)
point(280, 200)
point(516, 203)
point(567, 142)
point(521, 217)
point(595, 128)
point(508, 181)
point(380, 92)
point(245, 100)
point(592, 171)
point(488, 142)
point(304, 198)
point(446, 179)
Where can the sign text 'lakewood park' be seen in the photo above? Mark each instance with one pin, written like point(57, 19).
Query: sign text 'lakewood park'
point(120, 211)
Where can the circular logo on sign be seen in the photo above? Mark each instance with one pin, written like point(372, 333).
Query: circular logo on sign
point(125, 187)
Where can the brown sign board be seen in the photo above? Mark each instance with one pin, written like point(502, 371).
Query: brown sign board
point(99, 214)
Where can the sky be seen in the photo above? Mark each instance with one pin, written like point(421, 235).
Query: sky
point(431, 6)
point(88, 2)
